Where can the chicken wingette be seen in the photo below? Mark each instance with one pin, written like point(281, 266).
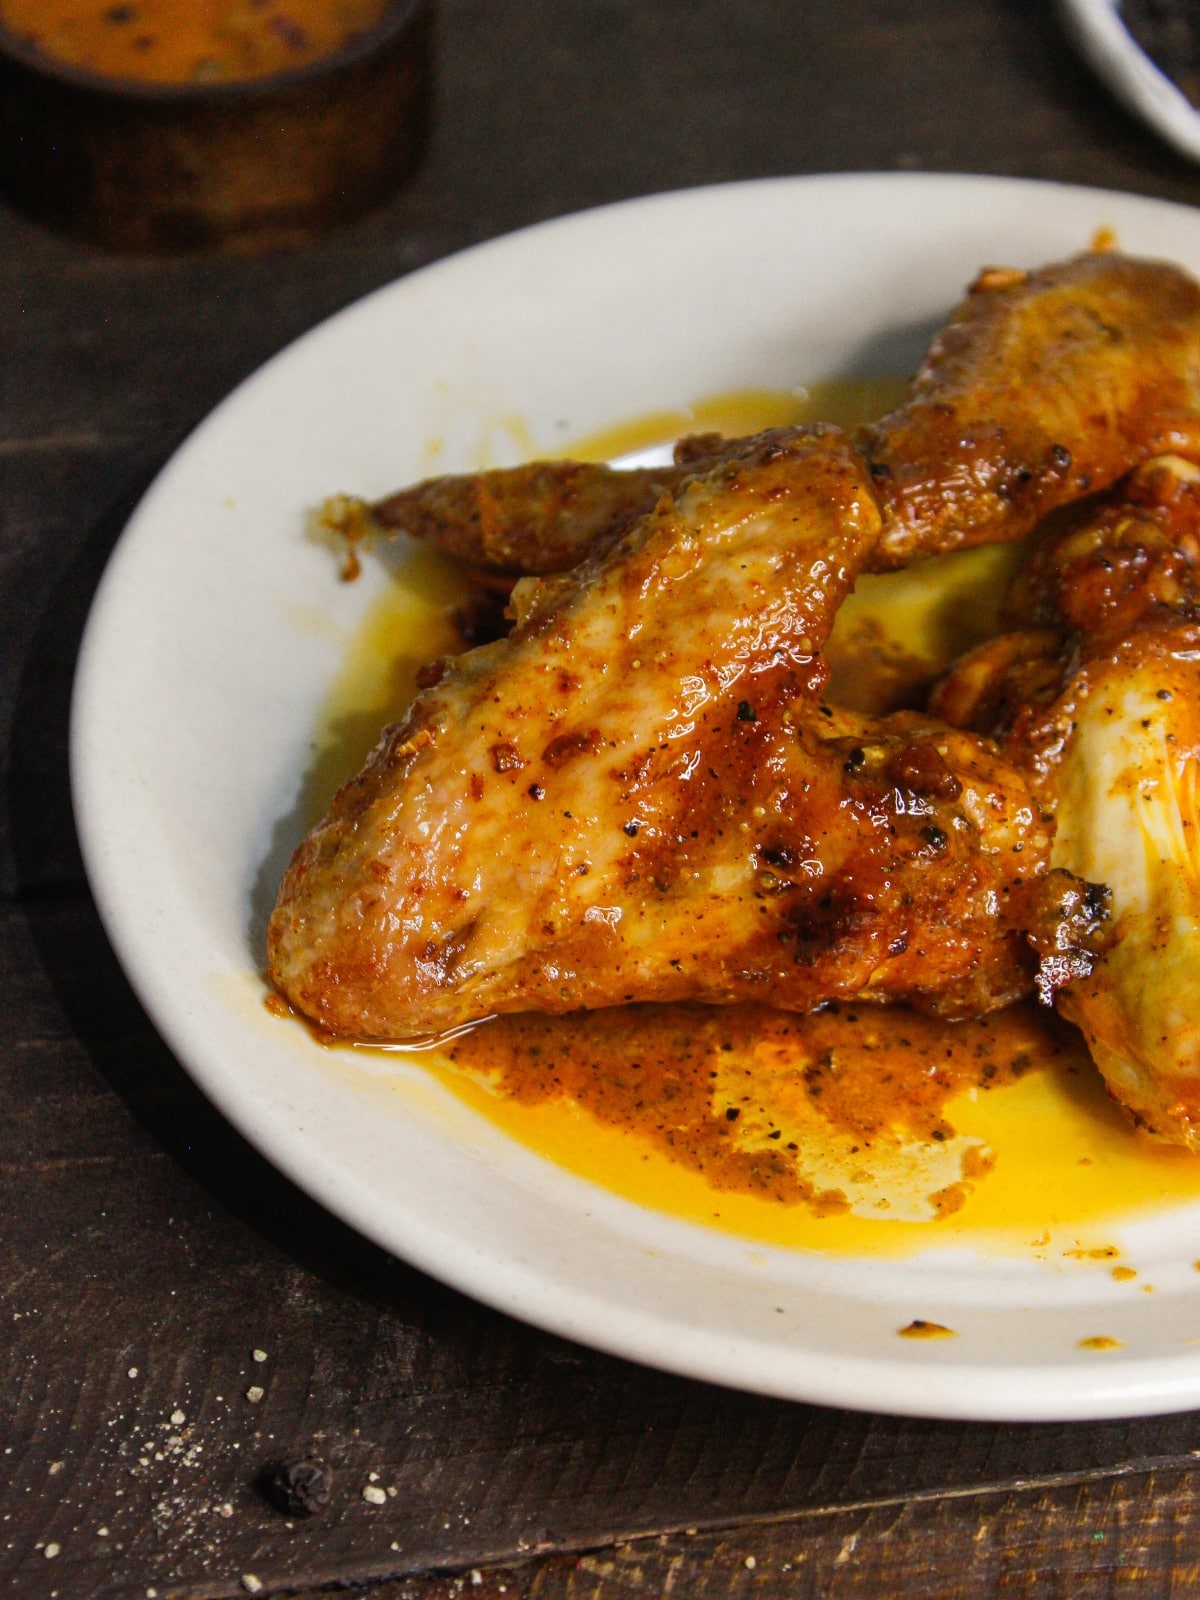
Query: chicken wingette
point(639, 794)
point(1095, 689)
point(1041, 387)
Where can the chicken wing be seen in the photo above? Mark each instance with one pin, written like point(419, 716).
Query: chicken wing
point(1042, 386)
point(639, 794)
point(1097, 692)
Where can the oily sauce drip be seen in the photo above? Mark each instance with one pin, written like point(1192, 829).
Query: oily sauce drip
point(842, 1109)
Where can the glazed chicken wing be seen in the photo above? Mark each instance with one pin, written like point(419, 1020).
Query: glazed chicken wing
point(1042, 386)
point(1096, 690)
point(640, 795)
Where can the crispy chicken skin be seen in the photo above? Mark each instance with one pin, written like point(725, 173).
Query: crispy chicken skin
point(1096, 691)
point(1042, 386)
point(639, 795)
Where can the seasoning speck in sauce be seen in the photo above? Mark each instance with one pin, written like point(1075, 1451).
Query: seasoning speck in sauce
point(841, 1110)
point(189, 41)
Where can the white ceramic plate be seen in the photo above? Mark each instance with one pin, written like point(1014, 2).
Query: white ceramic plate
point(1103, 39)
point(218, 629)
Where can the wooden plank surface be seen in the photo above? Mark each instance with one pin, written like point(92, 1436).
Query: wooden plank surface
point(148, 1252)
point(1132, 1534)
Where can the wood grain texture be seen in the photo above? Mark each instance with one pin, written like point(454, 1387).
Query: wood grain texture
point(142, 1233)
point(1091, 1540)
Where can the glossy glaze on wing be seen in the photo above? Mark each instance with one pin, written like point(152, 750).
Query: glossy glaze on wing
point(1042, 387)
point(639, 795)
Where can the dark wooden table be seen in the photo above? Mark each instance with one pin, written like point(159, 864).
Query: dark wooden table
point(148, 1253)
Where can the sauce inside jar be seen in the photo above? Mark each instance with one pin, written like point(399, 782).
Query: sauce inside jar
point(189, 41)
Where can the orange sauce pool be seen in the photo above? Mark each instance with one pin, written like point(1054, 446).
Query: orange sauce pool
point(857, 1130)
point(862, 1131)
point(189, 41)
